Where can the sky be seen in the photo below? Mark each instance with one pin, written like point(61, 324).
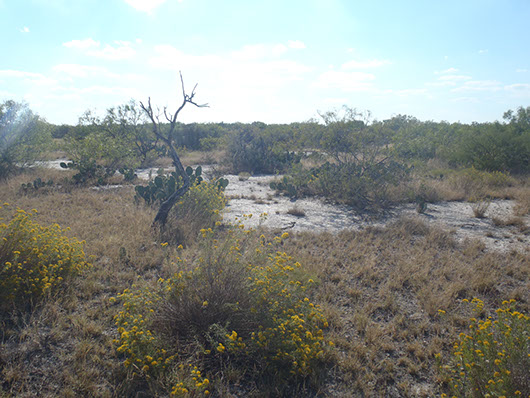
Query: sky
point(275, 61)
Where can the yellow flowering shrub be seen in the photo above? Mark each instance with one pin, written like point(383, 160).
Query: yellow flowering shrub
point(241, 304)
point(492, 358)
point(34, 260)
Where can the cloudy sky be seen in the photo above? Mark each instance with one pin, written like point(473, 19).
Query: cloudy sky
point(274, 61)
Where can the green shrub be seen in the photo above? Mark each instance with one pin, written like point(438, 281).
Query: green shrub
point(241, 305)
point(97, 157)
point(494, 146)
point(199, 208)
point(259, 151)
point(358, 186)
point(35, 260)
point(493, 357)
point(23, 136)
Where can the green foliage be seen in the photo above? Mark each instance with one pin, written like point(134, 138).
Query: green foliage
point(197, 136)
point(61, 131)
point(89, 171)
point(34, 260)
point(210, 143)
point(23, 136)
point(415, 140)
point(34, 186)
point(492, 357)
point(496, 146)
point(120, 141)
point(163, 186)
point(286, 186)
point(363, 166)
point(128, 173)
point(260, 150)
point(241, 305)
point(357, 186)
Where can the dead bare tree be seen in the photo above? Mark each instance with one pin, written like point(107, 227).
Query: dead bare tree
point(167, 138)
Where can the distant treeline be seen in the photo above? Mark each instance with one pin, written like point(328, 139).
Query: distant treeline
point(264, 148)
point(123, 138)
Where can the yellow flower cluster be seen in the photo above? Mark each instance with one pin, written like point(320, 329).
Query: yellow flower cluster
point(193, 385)
point(35, 259)
point(136, 340)
point(280, 330)
point(484, 358)
point(293, 339)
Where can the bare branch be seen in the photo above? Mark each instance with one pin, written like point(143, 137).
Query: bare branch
point(167, 138)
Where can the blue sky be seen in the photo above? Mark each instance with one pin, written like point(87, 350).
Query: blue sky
point(275, 61)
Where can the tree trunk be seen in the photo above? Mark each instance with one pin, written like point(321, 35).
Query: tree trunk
point(167, 139)
point(165, 207)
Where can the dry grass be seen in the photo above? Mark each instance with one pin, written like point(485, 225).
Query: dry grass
point(296, 211)
point(65, 346)
point(480, 208)
point(202, 157)
point(522, 197)
point(463, 185)
point(380, 288)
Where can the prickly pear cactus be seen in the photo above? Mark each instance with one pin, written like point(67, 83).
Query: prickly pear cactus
point(163, 186)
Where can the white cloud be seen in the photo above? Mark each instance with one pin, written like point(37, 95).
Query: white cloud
point(466, 99)
point(440, 84)
point(479, 85)
point(454, 78)
point(238, 85)
point(168, 57)
point(298, 44)
point(146, 5)
point(411, 91)
point(260, 51)
point(29, 77)
point(5, 94)
point(345, 81)
point(374, 63)
point(115, 91)
point(25, 29)
point(521, 70)
point(123, 51)
point(518, 86)
point(519, 89)
point(336, 101)
point(446, 71)
point(448, 79)
point(83, 71)
point(253, 66)
point(82, 44)
point(483, 51)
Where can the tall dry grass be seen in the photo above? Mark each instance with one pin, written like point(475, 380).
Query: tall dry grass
point(381, 289)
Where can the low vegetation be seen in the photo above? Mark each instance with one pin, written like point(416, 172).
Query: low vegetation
point(493, 356)
point(239, 312)
point(197, 307)
point(36, 260)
